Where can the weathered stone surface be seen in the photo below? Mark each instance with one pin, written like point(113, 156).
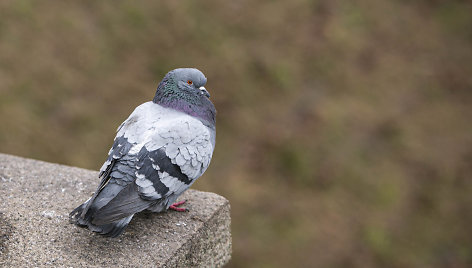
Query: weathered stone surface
point(36, 198)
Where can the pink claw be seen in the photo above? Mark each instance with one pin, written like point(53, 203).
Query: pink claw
point(176, 208)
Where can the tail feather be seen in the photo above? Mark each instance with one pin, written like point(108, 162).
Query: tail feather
point(76, 215)
point(113, 229)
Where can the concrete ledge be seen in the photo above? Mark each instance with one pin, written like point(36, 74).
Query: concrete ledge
point(36, 198)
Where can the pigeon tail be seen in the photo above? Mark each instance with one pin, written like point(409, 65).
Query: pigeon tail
point(113, 229)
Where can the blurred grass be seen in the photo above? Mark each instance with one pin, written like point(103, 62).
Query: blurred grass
point(344, 134)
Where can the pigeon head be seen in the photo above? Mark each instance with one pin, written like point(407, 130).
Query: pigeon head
point(191, 80)
point(183, 90)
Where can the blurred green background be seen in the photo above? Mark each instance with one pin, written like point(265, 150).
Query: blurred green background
point(344, 127)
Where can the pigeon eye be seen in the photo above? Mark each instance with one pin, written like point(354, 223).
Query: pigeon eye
point(189, 82)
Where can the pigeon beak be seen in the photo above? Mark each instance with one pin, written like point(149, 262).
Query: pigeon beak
point(204, 92)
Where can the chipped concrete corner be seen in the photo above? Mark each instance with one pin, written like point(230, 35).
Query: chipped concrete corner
point(34, 228)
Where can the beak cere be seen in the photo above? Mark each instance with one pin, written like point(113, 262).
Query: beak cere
point(203, 91)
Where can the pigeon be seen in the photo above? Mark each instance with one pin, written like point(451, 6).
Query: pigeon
point(158, 153)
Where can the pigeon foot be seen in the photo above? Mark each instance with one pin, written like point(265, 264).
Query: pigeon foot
point(175, 206)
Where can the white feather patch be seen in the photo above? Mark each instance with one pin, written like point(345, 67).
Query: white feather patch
point(174, 184)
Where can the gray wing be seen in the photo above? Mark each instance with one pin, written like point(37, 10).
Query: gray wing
point(112, 169)
point(171, 156)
